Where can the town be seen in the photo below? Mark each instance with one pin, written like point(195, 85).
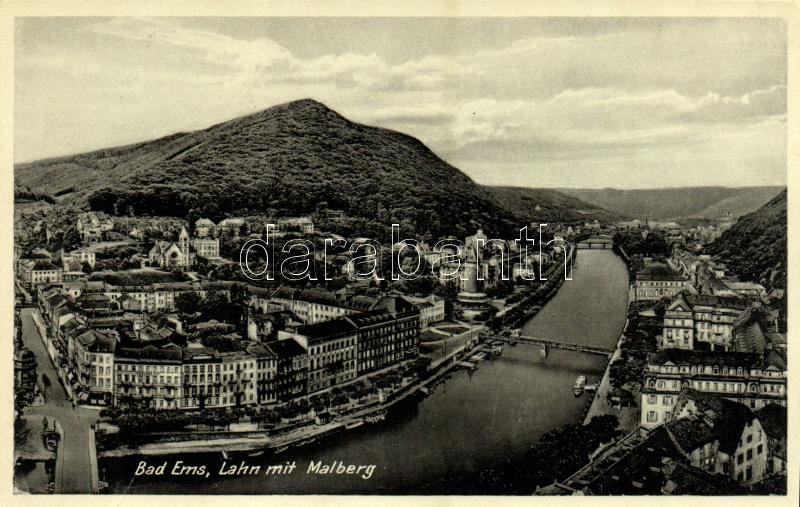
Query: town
point(129, 327)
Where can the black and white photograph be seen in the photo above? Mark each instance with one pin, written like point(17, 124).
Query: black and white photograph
point(408, 255)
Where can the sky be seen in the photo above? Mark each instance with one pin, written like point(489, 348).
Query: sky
point(536, 102)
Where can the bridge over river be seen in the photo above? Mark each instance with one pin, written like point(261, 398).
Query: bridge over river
point(596, 244)
point(545, 344)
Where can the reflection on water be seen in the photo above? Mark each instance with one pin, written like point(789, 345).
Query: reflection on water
point(471, 422)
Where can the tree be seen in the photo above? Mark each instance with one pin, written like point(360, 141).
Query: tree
point(71, 239)
point(187, 302)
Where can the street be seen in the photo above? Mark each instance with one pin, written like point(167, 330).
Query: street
point(73, 466)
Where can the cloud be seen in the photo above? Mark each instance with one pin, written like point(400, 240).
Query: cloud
point(614, 97)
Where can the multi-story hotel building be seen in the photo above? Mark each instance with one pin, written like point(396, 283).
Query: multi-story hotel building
point(202, 377)
point(92, 354)
point(148, 377)
point(332, 352)
point(266, 372)
point(292, 374)
point(385, 338)
point(752, 379)
point(238, 375)
point(701, 322)
point(35, 272)
point(655, 283)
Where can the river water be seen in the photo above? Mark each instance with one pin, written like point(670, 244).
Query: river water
point(471, 422)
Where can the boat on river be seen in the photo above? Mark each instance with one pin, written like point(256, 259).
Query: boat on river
point(580, 383)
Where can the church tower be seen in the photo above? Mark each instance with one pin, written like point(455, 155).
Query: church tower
point(183, 244)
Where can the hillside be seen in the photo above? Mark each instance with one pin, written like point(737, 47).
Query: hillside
point(285, 160)
point(754, 248)
point(678, 203)
point(553, 206)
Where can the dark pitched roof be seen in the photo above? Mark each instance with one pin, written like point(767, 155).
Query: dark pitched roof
point(706, 358)
point(773, 419)
point(95, 341)
point(748, 337)
point(683, 479)
point(717, 301)
point(260, 350)
point(639, 470)
point(725, 418)
point(148, 354)
point(367, 319)
point(691, 433)
point(286, 348)
point(326, 330)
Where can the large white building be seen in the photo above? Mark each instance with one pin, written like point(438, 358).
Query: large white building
point(752, 379)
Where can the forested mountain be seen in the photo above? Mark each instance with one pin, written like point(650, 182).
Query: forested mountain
point(754, 248)
point(547, 205)
point(288, 160)
point(678, 203)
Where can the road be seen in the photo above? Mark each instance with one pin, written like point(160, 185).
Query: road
point(74, 465)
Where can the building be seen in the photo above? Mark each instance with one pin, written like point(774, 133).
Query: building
point(657, 281)
point(734, 288)
point(230, 226)
point(720, 436)
point(385, 338)
point(292, 375)
point(711, 446)
point(148, 377)
point(431, 309)
point(202, 380)
point(701, 322)
point(300, 225)
point(331, 347)
point(266, 372)
point(773, 421)
point(747, 378)
point(92, 225)
point(204, 228)
point(92, 356)
point(206, 247)
point(25, 372)
point(310, 305)
point(33, 272)
point(172, 255)
point(80, 256)
point(238, 376)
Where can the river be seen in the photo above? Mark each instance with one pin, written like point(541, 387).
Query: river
point(471, 422)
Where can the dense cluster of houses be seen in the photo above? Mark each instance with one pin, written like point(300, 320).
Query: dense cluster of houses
point(128, 345)
point(709, 446)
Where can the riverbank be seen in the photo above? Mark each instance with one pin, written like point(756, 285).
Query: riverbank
point(628, 416)
point(253, 441)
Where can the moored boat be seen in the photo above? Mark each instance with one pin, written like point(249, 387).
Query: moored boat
point(580, 383)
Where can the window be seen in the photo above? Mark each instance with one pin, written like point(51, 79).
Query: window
point(651, 416)
point(739, 459)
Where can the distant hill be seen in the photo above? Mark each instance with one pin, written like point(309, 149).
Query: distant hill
point(547, 205)
point(287, 160)
point(23, 193)
point(755, 248)
point(678, 203)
